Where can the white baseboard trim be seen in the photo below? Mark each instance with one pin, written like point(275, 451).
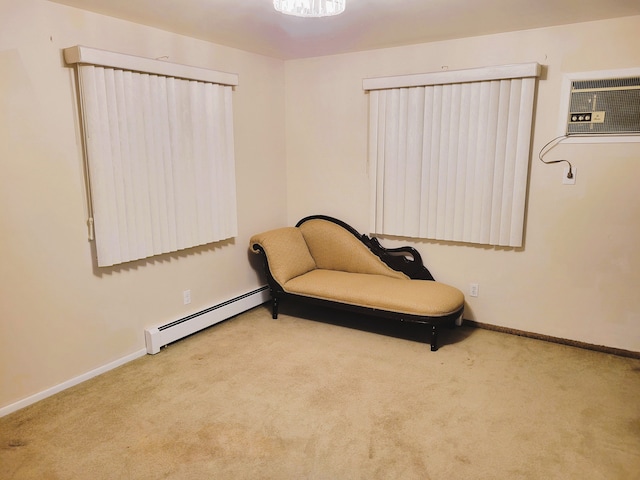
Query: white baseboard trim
point(69, 383)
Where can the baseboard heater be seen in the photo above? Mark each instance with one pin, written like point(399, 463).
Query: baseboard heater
point(158, 337)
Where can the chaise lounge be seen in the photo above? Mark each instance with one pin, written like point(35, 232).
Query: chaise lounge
point(324, 261)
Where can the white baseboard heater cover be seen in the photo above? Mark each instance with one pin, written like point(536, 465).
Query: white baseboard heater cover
point(158, 337)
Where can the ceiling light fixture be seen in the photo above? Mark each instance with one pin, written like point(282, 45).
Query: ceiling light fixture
point(310, 8)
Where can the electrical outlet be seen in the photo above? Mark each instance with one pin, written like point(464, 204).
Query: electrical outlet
point(473, 289)
point(565, 179)
point(186, 297)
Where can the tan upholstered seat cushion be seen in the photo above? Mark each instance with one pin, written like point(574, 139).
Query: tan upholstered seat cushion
point(334, 248)
point(286, 251)
point(414, 297)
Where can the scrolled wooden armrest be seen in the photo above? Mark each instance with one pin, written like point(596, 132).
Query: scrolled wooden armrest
point(404, 259)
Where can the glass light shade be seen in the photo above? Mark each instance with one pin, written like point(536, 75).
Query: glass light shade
point(310, 8)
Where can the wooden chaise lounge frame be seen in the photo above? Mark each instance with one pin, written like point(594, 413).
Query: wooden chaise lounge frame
point(404, 259)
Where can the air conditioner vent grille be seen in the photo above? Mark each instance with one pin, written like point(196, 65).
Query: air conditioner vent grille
point(606, 83)
point(608, 106)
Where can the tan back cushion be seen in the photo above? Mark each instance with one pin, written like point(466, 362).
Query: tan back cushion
point(334, 248)
point(287, 253)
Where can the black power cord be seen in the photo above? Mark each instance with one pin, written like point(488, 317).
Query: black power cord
point(544, 150)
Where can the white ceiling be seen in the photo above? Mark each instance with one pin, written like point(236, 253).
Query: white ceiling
point(254, 25)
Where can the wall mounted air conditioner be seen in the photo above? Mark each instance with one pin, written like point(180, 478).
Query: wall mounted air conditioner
point(600, 105)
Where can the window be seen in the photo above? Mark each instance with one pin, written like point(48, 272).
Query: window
point(449, 153)
point(159, 151)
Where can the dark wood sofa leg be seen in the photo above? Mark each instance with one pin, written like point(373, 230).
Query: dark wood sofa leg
point(275, 308)
point(434, 338)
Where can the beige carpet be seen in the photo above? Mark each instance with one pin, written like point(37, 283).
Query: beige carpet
point(256, 398)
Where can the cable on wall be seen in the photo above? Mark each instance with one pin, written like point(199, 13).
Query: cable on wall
point(552, 143)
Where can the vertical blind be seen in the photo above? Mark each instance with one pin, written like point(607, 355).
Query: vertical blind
point(160, 160)
point(449, 154)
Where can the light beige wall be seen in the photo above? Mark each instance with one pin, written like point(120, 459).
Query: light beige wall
point(61, 317)
point(578, 274)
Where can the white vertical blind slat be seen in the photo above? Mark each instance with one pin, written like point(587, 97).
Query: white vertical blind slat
point(425, 161)
point(413, 172)
point(434, 166)
point(376, 147)
point(391, 132)
point(521, 164)
point(114, 185)
point(230, 198)
point(175, 146)
point(499, 188)
point(442, 158)
point(203, 170)
point(508, 179)
point(174, 159)
point(470, 181)
point(142, 186)
point(133, 175)
point(404, 140)
point(461, 172)
point(154, 163)
point(453, 148)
